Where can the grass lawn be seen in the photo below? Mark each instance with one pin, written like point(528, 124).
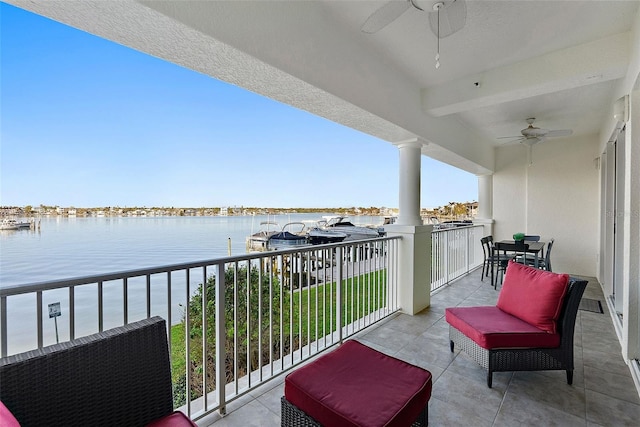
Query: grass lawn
point(307, 315)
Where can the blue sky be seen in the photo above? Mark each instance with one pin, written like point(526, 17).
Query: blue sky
point(86, 122)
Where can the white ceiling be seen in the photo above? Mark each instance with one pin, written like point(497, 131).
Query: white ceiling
point(497, 34)
point(557, 61)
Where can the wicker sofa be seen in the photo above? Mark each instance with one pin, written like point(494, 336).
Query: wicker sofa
point(119, 377)
point(530, 328)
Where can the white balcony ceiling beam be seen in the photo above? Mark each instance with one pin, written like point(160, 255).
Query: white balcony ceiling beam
point(594, 62)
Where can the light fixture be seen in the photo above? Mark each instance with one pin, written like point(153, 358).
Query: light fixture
point(621, 109)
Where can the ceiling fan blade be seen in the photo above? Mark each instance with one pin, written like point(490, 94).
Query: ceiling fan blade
point(453, 16)
point(559, 132)
point(385, 16)
point(517, 139)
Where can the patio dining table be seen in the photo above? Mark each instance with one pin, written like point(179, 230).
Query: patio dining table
point(531, 247)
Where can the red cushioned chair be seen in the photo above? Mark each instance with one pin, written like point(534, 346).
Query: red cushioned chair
point(530, 328)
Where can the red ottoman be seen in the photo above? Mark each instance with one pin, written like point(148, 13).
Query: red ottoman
point(356, 385)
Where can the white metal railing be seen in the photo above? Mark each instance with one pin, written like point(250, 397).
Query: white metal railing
point(454, 252)
point(278, 308)
point(237, 321)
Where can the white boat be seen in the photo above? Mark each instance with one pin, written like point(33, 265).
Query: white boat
point(438, 225)
point(13, 224)
point(353, 232)
point(319, 236)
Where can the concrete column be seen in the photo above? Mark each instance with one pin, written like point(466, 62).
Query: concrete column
point(414, 250)
point(485, 197)
point(485, 203)
point(414, 266)
point(409, 203)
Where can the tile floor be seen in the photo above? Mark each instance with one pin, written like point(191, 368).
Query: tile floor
point(603, 392)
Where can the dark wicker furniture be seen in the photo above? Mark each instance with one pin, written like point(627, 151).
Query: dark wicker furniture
point(119, 377)
point(529, 359)
point(356, 385)
point(294, 417)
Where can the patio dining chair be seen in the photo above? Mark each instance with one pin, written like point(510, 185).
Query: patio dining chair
point(491, 257)
point(544, 263)
point(507, 252)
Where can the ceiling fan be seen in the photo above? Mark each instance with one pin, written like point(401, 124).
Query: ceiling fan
point(532, 135)
point(445, 17)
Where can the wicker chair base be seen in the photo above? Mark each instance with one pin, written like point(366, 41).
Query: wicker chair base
point(514, 359)
point(292, 416)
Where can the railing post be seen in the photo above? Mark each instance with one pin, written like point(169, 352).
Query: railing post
point(187, 342)
point(148, 301)
point(100, 307)
point(3, 326)
point(221, 335)
point(466, 252)
point(72, 313)
point(169, 321)
point(205, 305)
point(339, 262)
point(39, 318)
point(125, 300)
point(446, 256)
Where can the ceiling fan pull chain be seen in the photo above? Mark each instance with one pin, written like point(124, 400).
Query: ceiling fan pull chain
point(438, 37)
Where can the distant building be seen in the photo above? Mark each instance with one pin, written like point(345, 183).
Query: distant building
point(472, 209)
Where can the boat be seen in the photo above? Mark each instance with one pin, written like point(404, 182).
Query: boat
point(353, 232)
point(438, 225)
point(13, 224)
point(258, 241)
point(285, 239)
point(319, 236)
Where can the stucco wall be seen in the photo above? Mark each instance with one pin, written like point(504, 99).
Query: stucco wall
point(557, 196)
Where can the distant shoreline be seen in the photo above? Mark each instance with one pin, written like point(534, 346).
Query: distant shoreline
point(57, 211)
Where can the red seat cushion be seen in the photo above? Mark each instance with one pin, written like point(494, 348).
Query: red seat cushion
point(6, 417)
point(491, 328)
point(356, 385)
point(533, 295)
point(175, 419)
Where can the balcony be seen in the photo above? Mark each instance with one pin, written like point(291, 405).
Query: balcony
point(603, 392)
point(579, 189)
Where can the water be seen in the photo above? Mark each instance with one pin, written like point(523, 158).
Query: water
point(74, 247)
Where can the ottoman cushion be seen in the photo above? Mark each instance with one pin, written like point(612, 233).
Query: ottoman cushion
point(356, 385)
point(175, 419)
